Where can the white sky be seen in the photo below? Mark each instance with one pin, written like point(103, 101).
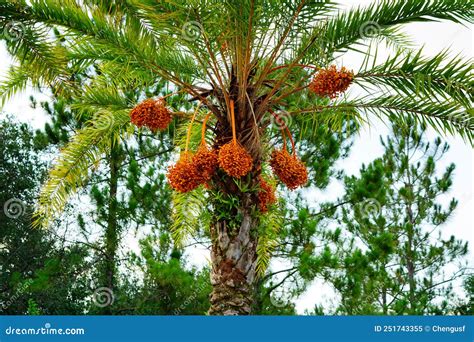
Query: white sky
point(435, 37)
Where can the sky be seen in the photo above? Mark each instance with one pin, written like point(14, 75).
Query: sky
point(434, 37)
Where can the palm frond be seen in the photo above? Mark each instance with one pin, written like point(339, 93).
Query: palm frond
point(41, 62)
point(188, 214)
point(445, 115)
point(270, 224)
point(410, 74)
point(72, 169)
point(350, 27)
point(97, 97)
point(94, 32)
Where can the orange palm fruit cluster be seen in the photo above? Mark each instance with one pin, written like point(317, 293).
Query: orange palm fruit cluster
point(233, 158)
point(205, 160)
point(193, 170)
point(183, 176)
point(289, 169)
point(152, 114)
point(266, 195)
point(331, 82)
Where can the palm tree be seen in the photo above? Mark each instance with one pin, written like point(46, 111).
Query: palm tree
point(252, 68)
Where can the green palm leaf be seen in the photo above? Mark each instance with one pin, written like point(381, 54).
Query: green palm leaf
point(72, 169)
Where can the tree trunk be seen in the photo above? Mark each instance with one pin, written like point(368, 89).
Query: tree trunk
point(111, 234)
point(234, 259)
point(411, 274)
point(234, 237)
point(410, 260)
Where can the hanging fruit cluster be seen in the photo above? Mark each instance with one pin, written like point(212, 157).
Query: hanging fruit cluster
point(331, 82)
point(205, 161)
point(152, 114)
point(288, 168)
point(233, 158)
point(183, 176)
point(193, 170)
point(266, 195)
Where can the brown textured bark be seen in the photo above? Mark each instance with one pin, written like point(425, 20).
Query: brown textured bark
point(234, 259)
point(234, 238)
point(234, 241)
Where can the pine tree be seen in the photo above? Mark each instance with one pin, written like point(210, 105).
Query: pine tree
point(35, 266)
point(466, 306)
point(165, 285)
point(395, 255)
point(122, 192)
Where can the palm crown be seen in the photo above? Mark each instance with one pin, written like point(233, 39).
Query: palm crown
point(243, 65)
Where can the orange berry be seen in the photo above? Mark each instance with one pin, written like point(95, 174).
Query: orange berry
point(235, 160)
point(183, 176)
point(331, 82)
point(266, 195)
point(289, 169)
point(206, 162)
point(152, 114)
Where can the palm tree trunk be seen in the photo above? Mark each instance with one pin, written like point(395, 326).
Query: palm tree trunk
point(234, 259)
point(234, 238)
